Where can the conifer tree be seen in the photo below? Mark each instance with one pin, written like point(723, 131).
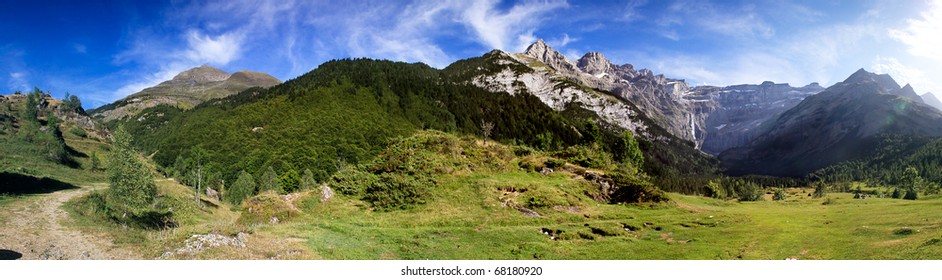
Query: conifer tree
point(243, 187)
point(269, 181)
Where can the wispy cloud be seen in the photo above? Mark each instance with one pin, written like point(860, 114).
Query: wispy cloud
point(923, 36)
point(17, 81)
point(510, 30)
point(741, 21)
point(80, 48)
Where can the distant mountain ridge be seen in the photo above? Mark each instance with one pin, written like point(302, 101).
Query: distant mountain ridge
point(185, 90)
point(843, 122)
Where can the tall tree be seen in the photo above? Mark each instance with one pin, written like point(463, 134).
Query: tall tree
point(307, 180)
point(269, 181)
point(132, 188)
point(243, 187)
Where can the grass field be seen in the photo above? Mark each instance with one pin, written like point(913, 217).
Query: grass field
point(836, 227)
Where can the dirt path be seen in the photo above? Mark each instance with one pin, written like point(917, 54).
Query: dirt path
point(33, 227)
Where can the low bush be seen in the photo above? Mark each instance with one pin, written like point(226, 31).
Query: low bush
point(396, 192)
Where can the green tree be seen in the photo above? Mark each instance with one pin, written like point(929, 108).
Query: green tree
point(290, 181)
point(630, 150)
point(132, 188)
point(243, 187)
point(779, 194)
point(307, 180)
point(269, 181)
point(96, 162)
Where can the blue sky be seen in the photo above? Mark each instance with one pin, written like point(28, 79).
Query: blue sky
point(103, 51)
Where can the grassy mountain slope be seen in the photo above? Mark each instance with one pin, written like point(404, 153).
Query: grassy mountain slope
point(55, 141)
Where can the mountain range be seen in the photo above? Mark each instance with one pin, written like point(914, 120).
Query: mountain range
point(768, 128)
point(185, 90)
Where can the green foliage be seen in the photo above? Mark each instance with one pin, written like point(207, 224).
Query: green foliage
point(132, 190)
point(78, 131)
point(779, 194)
point(592, 156)
point(261, 209)
point(95, 162)
point(290, 181)
point(628, 150)
point(268, 181)
point(714, 189)
point(820, 190)
point(896, 194)
point(243, 188)
point(307, 180)
point(397, 191)
point(911, 195)
point(352, 181)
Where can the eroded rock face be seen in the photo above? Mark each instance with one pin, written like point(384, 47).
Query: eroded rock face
point(713, 118)
point(737, 111)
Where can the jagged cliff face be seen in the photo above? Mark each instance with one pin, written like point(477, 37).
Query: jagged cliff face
point(187, 89)
point(740, 109)
point(658, 97)
point(712, 118)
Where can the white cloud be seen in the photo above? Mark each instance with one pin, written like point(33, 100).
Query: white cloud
point(18, 81)
point(904, 74)
point(511, 30)
point(219, 50)
point(561, 42)
point(923, 36)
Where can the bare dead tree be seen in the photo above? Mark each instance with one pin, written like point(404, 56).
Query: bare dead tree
point(486, 128)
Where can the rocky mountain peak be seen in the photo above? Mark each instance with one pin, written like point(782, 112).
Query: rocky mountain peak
point(883, 80)
point(543, 52)
point(594, 63)
point(932, 100)
point(908, 92)
point(201, 74)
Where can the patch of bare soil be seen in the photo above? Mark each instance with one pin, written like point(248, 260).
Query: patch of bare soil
point(34, 228)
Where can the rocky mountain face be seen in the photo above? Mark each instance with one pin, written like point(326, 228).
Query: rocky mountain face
point(734, 113)
point(931, 100)
point(843, 122)
point(712, 118)
point(185, 90)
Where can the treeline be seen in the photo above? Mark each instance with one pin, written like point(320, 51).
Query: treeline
point(896, 161)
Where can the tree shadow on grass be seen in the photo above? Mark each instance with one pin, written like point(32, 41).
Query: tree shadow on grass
point(9, 255)
point(19, 184)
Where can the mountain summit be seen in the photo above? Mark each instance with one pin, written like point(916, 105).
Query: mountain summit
point(187, 89)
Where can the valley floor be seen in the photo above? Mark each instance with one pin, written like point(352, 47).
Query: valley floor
point(690, 227)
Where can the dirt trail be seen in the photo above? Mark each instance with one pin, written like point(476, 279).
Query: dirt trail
point(33, 227)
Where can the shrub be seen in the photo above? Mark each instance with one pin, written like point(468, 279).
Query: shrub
point(351, 181)
point(290, 181)
point(395, 191)
point(78, 131)
point(715, 190)
point(911, 195)
point(307, 180)
point(263, 207)
point(896, 194)
point(587, 156)
point(820, 190)
point(269, 181)
point(779, 194)
point(903, 231)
